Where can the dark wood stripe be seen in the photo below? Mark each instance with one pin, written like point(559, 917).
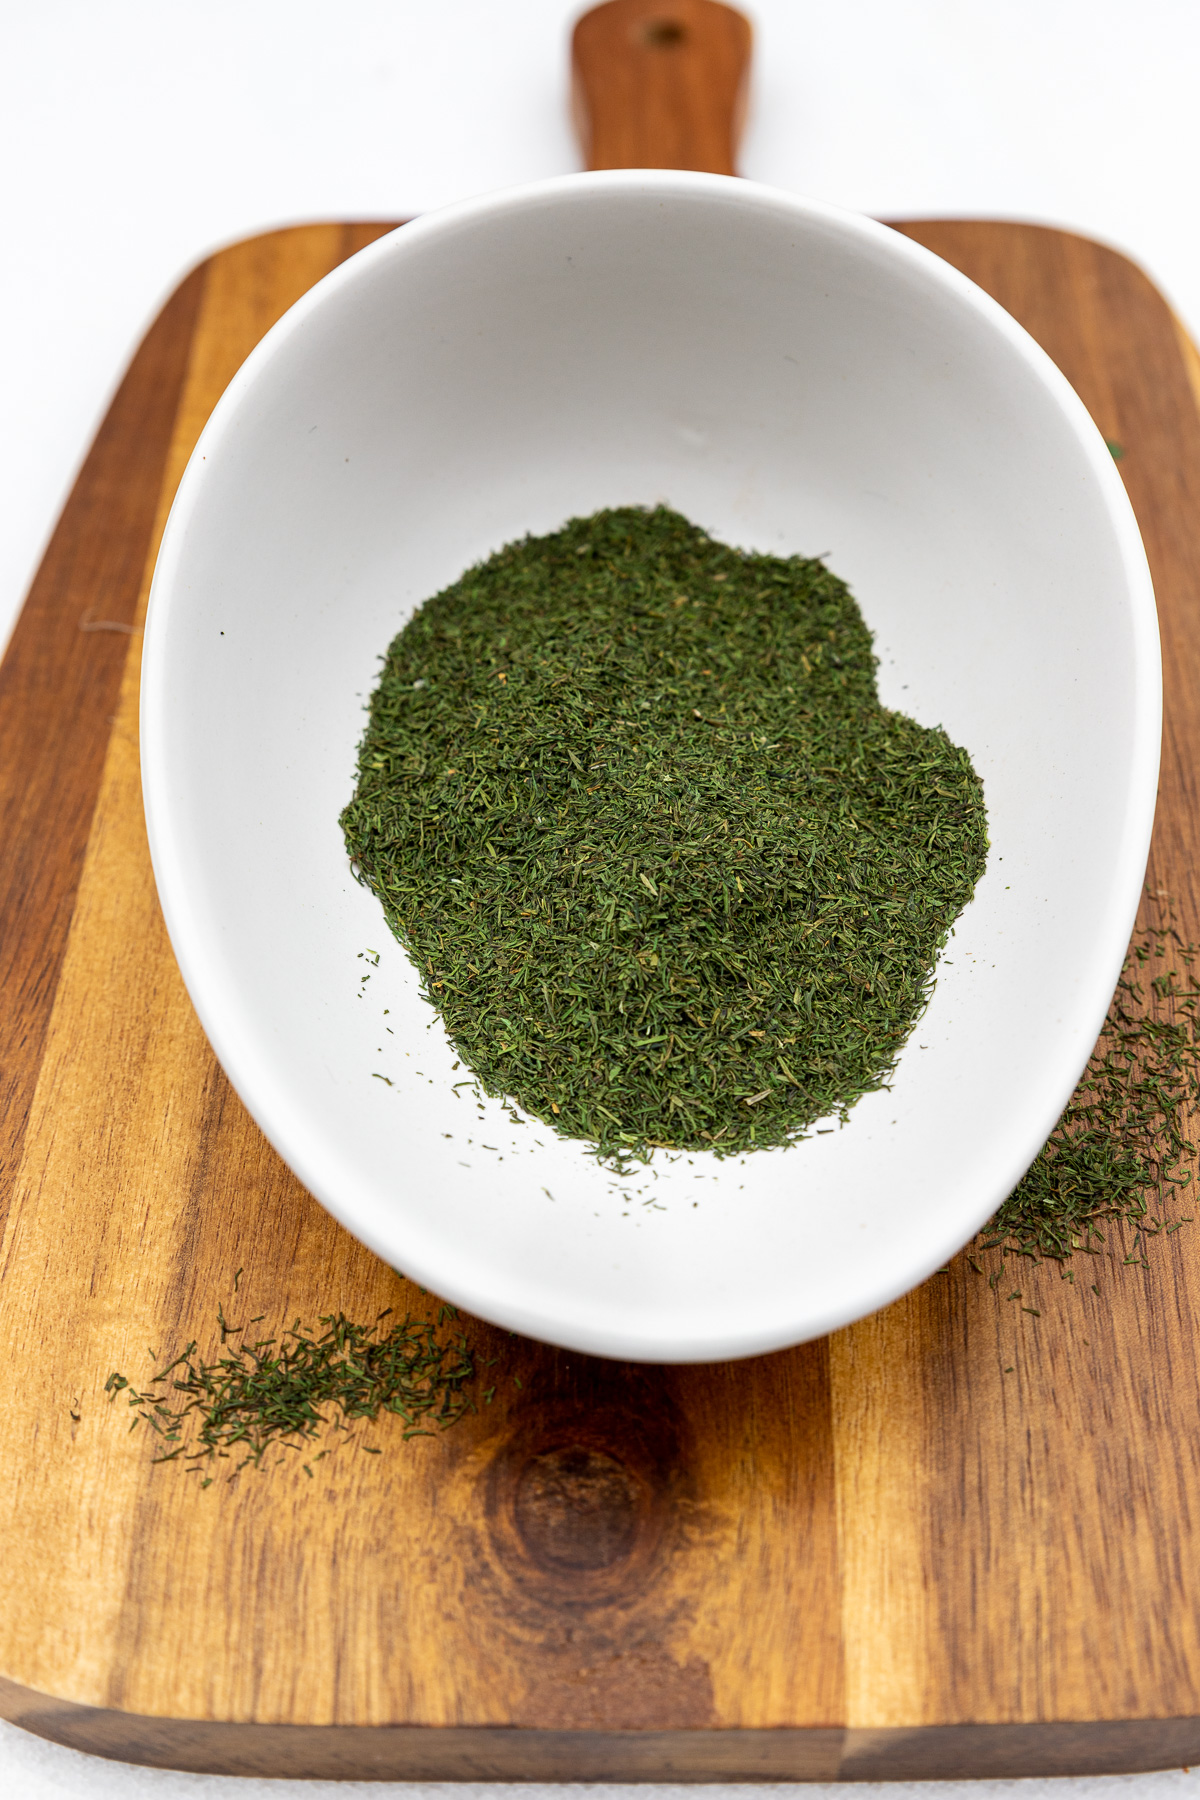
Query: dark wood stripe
point(58, 691)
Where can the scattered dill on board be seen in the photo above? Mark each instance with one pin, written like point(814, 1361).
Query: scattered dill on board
point(280, 1393)
point(1117, 1154)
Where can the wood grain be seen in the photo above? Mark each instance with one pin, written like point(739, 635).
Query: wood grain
point(1061, 1500)
point(875, 1555)
point(58, 689)
point(660, 84)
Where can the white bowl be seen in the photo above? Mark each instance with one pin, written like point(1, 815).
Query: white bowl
point(793, 378)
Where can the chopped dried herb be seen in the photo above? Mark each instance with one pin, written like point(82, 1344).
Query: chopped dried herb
point(280, 1393)
point(1118, 1149)
point(670, 872)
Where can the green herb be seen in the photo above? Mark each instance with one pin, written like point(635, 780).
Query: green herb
point(670, 872)
point(1115, 1152)
point(282, 1392)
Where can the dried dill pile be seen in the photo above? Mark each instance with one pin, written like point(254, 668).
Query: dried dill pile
point(279, 1393)
point(670, 872)
point(1117, 1151)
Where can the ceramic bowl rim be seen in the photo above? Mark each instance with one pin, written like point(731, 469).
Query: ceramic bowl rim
point(245, 1065)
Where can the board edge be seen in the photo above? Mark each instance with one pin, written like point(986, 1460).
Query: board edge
point(516, 1753)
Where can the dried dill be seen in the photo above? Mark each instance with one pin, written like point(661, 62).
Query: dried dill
point(670, 872)
point(1119, 1149)
point(280, 1393)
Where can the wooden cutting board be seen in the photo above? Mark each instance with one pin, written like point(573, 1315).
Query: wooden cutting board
point(959, 1538)
point(877, 1555)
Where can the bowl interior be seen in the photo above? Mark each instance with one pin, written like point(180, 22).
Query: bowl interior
point(793, 379)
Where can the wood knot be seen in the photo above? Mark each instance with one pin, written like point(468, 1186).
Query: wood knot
point(587, 1492)
point(576, 1508)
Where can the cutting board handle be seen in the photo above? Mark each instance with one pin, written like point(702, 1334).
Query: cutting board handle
point(660, 84)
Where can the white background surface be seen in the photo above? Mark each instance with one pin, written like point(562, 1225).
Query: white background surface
point(33, 1770)
point(136, 135)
